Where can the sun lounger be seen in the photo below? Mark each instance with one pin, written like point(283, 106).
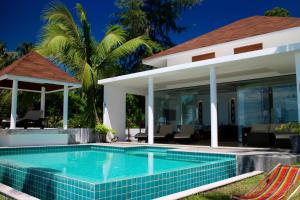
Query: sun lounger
point(33, 118)
point(144, 136)
point(186, 133)
point(281, 183)
point(141, 136)
point(164, 132)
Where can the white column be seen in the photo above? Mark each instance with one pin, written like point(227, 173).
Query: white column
point(297, 65)
point(146, 112)
point(43, 99)
point(213, 108)
point(14, 104)
point(66, 102)
point(150, 111)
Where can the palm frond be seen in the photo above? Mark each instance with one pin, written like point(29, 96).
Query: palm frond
point(131, 46)
point(114, 37)
point(58, 13)
point(88, 77)
point(88, 41)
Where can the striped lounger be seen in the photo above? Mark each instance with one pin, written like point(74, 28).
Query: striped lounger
point(280, 183)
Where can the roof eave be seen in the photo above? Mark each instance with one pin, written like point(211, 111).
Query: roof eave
point(205, 63)
point(38, 80)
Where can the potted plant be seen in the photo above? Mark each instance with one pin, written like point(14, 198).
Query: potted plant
point(292, 127)
point(105, 133)
point(129, 125)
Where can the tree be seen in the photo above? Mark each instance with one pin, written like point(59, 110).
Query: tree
point(158, 17)
point(24, 48)
point(2, 48)
point(278, 12)
point(132, 17)
point(74, 46)
point(6, 57)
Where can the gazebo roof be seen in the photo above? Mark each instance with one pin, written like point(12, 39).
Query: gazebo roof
point(33, 72)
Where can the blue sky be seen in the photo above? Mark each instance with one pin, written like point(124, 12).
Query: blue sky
point(20, 19)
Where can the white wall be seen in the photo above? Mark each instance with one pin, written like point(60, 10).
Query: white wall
point(269, 40)
point(35, 139)
point(114, 109)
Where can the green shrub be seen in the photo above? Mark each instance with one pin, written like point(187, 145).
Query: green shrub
point(292, 127)
point(102, 129)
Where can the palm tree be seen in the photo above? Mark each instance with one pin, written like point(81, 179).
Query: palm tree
point(72, 44)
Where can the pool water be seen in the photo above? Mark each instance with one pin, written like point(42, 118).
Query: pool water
point(98, 166)
point(92, 172)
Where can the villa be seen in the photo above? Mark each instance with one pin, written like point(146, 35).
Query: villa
point(245, 74)
point(234, 84)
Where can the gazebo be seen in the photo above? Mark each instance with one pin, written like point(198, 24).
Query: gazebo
point(34, 73)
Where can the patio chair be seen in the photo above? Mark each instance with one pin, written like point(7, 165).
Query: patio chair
point(142, 136)
point(281, 183)
point(164, 132)
point(186, 133)
point(33, 118)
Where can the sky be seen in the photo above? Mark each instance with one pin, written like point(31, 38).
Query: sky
point(20, 20)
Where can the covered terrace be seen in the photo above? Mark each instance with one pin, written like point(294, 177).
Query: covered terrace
point(265, 63)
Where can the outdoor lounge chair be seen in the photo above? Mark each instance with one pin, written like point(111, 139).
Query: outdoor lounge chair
point(186, 133)
point(142, 136)
point(281, 183)
point(164, 132)
point(33, 118)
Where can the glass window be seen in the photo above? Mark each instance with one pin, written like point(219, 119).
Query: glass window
point(284, 104)
point(252, 106)
point(267, 104)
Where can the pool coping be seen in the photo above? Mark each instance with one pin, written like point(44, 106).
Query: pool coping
point(15, 194)
point(211, 186)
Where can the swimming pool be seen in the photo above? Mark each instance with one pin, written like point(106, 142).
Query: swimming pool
point(102, 172)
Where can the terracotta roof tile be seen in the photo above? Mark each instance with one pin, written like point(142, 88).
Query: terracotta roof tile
point(248, 27)
point(36, 66)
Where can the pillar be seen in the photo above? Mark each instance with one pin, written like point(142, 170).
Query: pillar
point(213, 108)
point(150, 111)
point(43, 99)
point(65, 114)
point(297, 66)
point(14, 105)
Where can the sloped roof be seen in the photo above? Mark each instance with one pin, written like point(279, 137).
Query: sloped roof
point(248, 27)
point(34, 65)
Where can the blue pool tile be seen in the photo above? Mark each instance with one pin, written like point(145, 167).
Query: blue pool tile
point(218, 167)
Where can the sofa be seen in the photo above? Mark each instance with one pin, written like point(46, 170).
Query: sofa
point(261, 135)
point(267, 135)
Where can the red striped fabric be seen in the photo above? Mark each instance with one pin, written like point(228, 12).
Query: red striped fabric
point(281, 181)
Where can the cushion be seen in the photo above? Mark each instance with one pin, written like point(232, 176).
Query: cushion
point(260, 128)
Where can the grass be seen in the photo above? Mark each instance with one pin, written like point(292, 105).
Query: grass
point(225, 193)
point(2, 197)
